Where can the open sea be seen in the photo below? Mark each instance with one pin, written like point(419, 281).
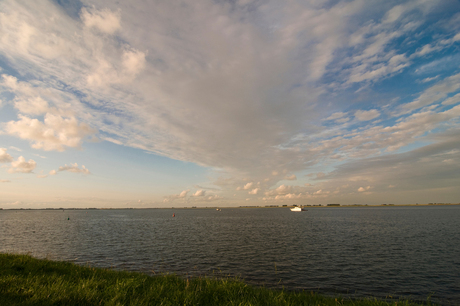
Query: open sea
point(386, 252)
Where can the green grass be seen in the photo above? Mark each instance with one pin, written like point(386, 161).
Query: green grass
point(25, 280)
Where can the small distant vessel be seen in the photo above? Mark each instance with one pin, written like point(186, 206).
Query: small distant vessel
point(218, 209)
point(298, 209)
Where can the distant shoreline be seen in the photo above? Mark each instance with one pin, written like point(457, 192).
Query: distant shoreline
point(243, 207)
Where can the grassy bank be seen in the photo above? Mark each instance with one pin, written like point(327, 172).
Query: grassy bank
point(25, 280)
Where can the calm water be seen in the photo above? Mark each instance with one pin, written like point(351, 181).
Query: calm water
point(399, 251)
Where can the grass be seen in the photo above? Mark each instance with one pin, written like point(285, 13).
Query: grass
point(25, 280)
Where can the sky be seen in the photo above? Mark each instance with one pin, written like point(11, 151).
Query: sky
point(228, 103)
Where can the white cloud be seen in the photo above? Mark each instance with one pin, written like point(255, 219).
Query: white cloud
point(5, 181)
point(22, 166)
point(213, 197)
point(426, 80)
point(254, 191)
point(452, 100)
point(5, 157)
point(107, 73)
point(367, 115)
point(362, 189)
point(103, 20)
point(32, 106)
point(280, 190)
point(199, 193)
point(291, 177)
point(248, 186)
point(174, 197)
point(73, 168)
point(55, 133)
point(53, 172)
point(14, 203)
point(133, 61)
point(336, 116)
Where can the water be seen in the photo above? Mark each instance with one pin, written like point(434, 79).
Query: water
point(410, 252)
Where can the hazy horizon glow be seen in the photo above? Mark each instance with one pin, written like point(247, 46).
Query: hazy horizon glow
point(228, 103)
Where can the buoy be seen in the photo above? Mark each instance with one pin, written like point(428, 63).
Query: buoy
point(68, 218)
point(174, 215)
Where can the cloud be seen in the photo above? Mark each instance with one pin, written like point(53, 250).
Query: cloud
point(5, 181)
point(32, 106)
point(206, 188)
point(53, 172)
point(291, 177)
point(213, 197)
point(254, 191)
point(72, 168)
point(248, 186)
point(5, 157)
point(362, 189)
point(22, 166)
point(14, 148)
point(421, 170)
point(55, 133)
point(426, 80)
point(173, 197)
point(16, 203)
point(452, 100)
point(280, 190)
point(438, 91)
point(367, 115)
point(106, 73)
point(199, 193)
point(104, 20)
point(133, 61)
point(59, 129)
point(320, 175)
point(336, 115)
point(183, 194)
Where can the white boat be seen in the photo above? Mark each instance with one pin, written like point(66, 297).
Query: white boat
point(298, 209)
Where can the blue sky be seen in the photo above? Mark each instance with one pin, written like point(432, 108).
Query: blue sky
point(228, 103)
